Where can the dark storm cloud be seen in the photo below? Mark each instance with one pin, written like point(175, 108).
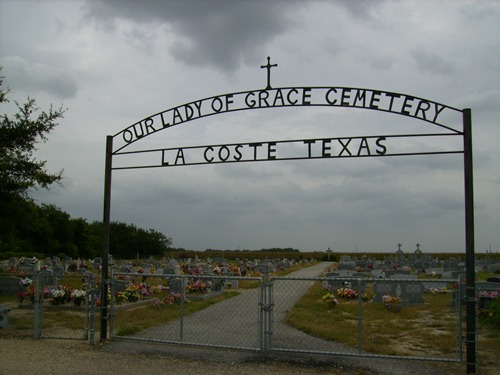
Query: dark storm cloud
point(223, 34)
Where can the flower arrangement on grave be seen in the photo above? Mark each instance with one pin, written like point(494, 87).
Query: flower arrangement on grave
point(59, 295)
point(25, 282)
point(347, 293)
point(365, 297)
point(24, 285)
point(197, 286)
point(391, 303)
point(330, 299)
point(167, 301)
point(435, 291)
point(120, 297)
point(157, 289)
point(77, 296)
point(132, 292)
point(145, 290)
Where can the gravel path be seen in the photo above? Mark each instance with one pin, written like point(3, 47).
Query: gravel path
point(239, 331)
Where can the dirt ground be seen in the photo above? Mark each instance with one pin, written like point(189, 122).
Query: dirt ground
point(50, 356)
point(57, 357)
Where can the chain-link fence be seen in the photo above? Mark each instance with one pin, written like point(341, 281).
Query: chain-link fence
point(408, 318)
point(48, 306)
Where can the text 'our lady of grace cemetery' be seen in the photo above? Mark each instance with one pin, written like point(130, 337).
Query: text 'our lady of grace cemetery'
point(443, 116)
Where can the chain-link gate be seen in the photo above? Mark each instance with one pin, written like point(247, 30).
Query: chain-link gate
point(261, 318)
point(187, 310)
point(65, 317)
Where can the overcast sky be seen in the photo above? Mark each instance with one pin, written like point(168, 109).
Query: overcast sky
point(114, 63)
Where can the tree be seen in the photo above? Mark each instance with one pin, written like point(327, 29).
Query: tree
point(20, 171)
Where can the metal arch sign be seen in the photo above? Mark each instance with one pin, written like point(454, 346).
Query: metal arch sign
point(395, 103)
point(451, 121)
point(445, 117)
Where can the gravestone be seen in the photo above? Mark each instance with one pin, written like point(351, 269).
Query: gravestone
point(408, 291)
point(175, 285)
point(47, 277)
point(28, 268)
point(120, 285)
point(486, 291)
point(72, 267)
point(494, 267)
point(97, 263)
point(377, 274)
point(428, 285)
point(4, 315)
point(234, 282)
point(262, 269)
point(9, 286)
point(453, 274)
point(58, 271)
point(334, 283)
point(412, 292)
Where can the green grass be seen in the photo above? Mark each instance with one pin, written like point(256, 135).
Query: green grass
point(425, 329)
point(130, 321)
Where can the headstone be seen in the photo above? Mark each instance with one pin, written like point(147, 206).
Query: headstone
point(453, 274)
point(175, 285)
point(262, 269)
point(230, 283)
point(9, 286)
point(120, 285)
point(412, 292)
point(47, 277)
point(408, 291)
point(28, 268)
point(58, 271)
point(494, 267)
point(377, 274)
point(4, 315)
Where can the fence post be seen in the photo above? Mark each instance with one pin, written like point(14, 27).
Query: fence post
point(37, 308)
point(265, 313)
point(111, 300)
point(261, 314)
point(93, 292)
point(360, 317)
point(183, 297)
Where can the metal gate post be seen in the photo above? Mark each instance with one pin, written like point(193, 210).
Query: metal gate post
point(270, 309)
point(262, 291)
point(265, 313)
point(106, 223)
point(470, 298)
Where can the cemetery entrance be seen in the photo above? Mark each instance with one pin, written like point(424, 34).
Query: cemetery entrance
point(447, 123)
